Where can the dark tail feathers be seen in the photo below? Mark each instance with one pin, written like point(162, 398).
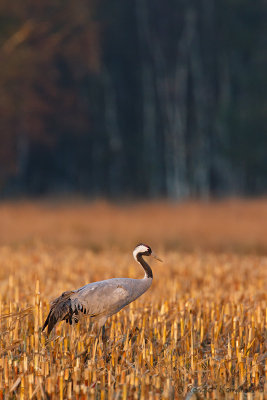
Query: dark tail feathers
point(60, 308)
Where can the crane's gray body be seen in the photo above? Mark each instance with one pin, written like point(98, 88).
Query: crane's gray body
point(105, 298)
point(100, 300)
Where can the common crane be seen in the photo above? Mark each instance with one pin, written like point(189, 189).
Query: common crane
point(100, 300)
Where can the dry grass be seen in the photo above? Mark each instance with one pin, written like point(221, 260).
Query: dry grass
point(232, 225)
point(200, 328)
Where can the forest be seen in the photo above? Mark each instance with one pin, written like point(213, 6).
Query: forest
point(133, 99)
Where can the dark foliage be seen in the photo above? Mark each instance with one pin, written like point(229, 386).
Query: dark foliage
point(140, 98)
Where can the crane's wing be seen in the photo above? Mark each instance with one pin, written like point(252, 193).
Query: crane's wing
point(94, 300)
point(60, 307)
point(101, 298)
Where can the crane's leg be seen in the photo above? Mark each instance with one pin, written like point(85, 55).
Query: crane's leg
point(104, 338)
point(101, 327)
point(102, 333)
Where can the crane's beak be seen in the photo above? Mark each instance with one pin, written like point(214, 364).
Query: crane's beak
point(156, 257)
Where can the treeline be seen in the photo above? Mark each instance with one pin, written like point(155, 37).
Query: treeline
point(133, 98)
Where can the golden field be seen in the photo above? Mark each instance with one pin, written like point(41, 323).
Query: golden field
point(199, 332)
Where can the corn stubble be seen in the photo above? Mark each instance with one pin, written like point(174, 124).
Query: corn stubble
point(198, 332)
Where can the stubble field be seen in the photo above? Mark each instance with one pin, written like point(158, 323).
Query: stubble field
point(199, 332)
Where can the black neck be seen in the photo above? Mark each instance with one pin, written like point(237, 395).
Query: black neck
point(145, 265)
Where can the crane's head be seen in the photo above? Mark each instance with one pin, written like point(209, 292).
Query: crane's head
point(144, 250)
